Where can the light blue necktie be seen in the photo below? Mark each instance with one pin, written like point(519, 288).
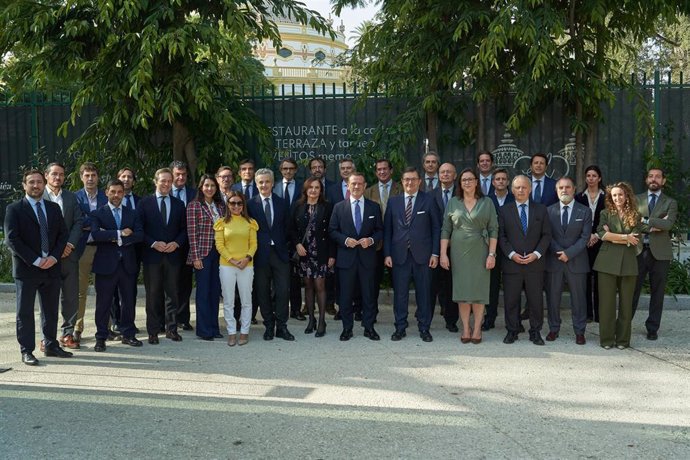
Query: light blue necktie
point(358, 217)
point(116, 214)
point(537, 192)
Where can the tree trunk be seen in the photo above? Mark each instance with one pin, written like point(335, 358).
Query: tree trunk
point(432, 130)
point(579, 147)
point(184, 149)
point(591, 144)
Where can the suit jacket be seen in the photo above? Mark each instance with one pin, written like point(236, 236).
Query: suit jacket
point(342, 227)
point(23, 238)
point(299, 221)
point(663, 217)
point(104, 232)
point(279, 189)
point(334, 193)
point(200, 233)
point(156, 230)
point(548, 191)
point(276, 233)
point(480, 183)
point(583, 199)
point(422, 235)
point(511, 238)
point(617, 259)
point(573, 240)
point(437, 195)
point(423, 184)
point(374, 194)
point(74, 218)
point(189, 191)
point(83, 200)
point(239, 187)
point(510, 198)
point(135, 197)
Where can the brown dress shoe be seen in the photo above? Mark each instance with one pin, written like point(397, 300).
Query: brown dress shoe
point(580, 339)
point(232, 340)
point(68, 341)
point(244, 338)
point(551, 336)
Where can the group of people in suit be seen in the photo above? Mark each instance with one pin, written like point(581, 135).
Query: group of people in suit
point(256, 242)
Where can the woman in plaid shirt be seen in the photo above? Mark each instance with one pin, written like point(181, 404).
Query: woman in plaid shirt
point(202, 213)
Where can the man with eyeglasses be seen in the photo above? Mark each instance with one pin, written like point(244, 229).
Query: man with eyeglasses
point(225, 180)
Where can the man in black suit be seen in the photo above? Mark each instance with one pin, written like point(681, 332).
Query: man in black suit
point(36, 234)
point(431, 161)
point(501, 196)
point(339, 191)
point(164, 221)
point(411, 240)
point(524, 237)
point(116, 230)
point(290, 189)
point(69, 266)
point(543, 187)
point(186, 193)
point(271, 260)
point(246, 184)
point(567, 259)
point(442, 280)
point(356, 227)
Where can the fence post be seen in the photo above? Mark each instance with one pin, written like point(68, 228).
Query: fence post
point(657, 113)
point(34, 123)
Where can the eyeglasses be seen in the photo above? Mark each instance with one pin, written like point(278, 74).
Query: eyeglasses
point(467, 181)
point(224, 177)
point(235, 203)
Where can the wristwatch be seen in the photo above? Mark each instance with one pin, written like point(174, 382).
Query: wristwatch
point(492, 254)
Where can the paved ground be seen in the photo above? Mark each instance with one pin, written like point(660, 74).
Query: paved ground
point(319, 398)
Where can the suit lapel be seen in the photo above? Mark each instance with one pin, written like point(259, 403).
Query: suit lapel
point(28, 210)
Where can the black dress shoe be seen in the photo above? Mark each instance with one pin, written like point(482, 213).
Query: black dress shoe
point(652, 335)
point(298, 316)
point(426, 336)
point(398, 335)
point(187, 327)
point(371, 334)
point(153, 339)
point(174, 336)
point(452, 327)
point(535, 338)
point(284, 334)
point(268, 335)
point(208, 338)
point(57, 352)
point(488, 326)
point(131, 341)
point(100, 345)
point(218, 336)
point(29, 359)
point(510, 337)
point(346, 335)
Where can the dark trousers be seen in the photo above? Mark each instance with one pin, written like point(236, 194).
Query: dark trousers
point(272, 282)
point(380, 272)
point(442, 287)
point(356, 281)
point(161, 281)
point(657, 271)
point(295, 289)
point(106, 286)
point(208, 296)
point(494, 289)
point(115, 309)
point(184, 292)
point(533, 283)
point(402, 274)
point(593, 284)
point(69, 293)
point(49, 295)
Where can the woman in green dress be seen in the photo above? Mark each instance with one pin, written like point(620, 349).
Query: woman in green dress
point(470, 229)
point(616, 264)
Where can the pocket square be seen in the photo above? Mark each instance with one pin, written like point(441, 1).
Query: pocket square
point(371, 217)
point(421, 212)
point(579, 220)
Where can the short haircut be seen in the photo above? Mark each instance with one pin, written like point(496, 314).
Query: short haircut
point(31, 172)
point(223, 168)
point(289, 160)
point(114, 183)
point(432, 153)
point(485, 152)
point(161, 171)
point(264, 172)
point(247, 161)
point(572, 182)
point(384, 160)
point(346, 160)
point(177, 164)
point(125, 169)
point(539, 154)
point(358, 174)
point(411, 169)
point(502, 170)
point(54, 163)
point(88, 166)
point(318, 159)
point(655, 168)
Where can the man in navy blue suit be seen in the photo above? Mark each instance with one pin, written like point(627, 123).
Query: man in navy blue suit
point(543, 187)
point(356, 228)
point(246, 184)
point(271, 261)
point(36, 234)
point(290, 190)
point(339, 191)
point(164, 221)
point(185, 193)
point(485, 167)
point(411, 242)
point(89, 198)
point(116, 230)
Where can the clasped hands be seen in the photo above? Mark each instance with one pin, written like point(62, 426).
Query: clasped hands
point(364, 242)
point(524, 260)
point(164, 247)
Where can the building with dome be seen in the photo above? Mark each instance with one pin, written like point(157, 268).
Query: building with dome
point(306, 62)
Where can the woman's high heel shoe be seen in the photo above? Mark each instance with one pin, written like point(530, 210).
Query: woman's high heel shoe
point(321, 330)
point(465, 339)
point(311, 325)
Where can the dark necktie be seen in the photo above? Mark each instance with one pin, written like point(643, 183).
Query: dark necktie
point(537, 192)
point(358, 217)
point(247, 191)
point(128, 201)
point(286, 193)
point(164, 210)
point(408, 210)
point(446, 195)
point(564, 220)
point(430, 183)
point(43, 222)
point(652, 203)
point(267, 211)
point(523, 218)
point(116, 214)
point(485, 186)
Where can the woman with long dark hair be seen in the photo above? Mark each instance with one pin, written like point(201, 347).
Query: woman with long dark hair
point(202, 212)
point(309, 236)
point(236, 243)
point(593, 196)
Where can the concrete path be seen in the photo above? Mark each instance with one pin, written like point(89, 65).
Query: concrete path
point(323, 399)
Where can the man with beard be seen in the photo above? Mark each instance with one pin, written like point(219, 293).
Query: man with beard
point(659, 211)
point(567, 259)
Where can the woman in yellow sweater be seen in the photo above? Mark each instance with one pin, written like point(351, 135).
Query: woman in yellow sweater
point(236, 243)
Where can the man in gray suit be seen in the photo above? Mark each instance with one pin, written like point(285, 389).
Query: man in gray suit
point(567, 259)
point(71, 212)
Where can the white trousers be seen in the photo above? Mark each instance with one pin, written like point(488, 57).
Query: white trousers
point(229, 277)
